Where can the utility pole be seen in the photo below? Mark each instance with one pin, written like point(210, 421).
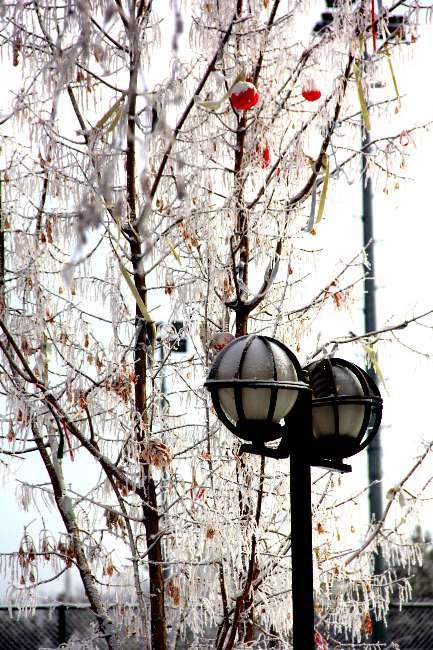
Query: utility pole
point(395, 26)
point(374, 450)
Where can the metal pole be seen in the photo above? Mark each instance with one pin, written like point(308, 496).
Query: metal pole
point(302, 553)
point(61, 613)
point(374, 449)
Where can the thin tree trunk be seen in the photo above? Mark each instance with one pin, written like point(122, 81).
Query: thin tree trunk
point(144, 343)
point(65, 507)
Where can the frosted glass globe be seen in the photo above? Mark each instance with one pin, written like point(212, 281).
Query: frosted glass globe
point(350, 416)
point(261, 361)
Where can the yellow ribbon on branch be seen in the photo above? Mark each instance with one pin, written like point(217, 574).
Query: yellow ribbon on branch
point(391, 69)
point(114, 113)
point(371, 354)
point(138, 299)
point(325, 167)
point(361, 97)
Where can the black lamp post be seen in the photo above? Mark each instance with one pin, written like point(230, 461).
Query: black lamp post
point(321, 414)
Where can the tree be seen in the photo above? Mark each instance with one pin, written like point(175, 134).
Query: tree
point(131, 181)
point(412, 625)
point(422, 583)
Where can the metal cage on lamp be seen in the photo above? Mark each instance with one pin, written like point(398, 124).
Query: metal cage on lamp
point(254, 382)
point(346, 408)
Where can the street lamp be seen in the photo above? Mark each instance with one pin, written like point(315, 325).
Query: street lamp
point(254, 383)
point(346, 407)
point(321, 414)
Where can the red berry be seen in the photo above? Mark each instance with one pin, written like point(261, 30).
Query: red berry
point(266, 157)
point(244, 95)
point(311, 94)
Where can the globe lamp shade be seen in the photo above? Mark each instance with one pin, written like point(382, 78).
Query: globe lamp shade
point(346, 407)
point(254, 383)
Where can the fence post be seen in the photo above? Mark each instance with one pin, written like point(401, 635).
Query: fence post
point(61, 629)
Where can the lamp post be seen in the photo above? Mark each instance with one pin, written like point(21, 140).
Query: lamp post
point(320, 414)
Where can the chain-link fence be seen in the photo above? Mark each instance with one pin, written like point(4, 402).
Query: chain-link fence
point(50, 627)
point(410, 628)
point(412, 625)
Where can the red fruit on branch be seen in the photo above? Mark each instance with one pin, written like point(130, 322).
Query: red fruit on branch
point(263, 155)
point(310, 93)
point(244, 95)
point(266, 157)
